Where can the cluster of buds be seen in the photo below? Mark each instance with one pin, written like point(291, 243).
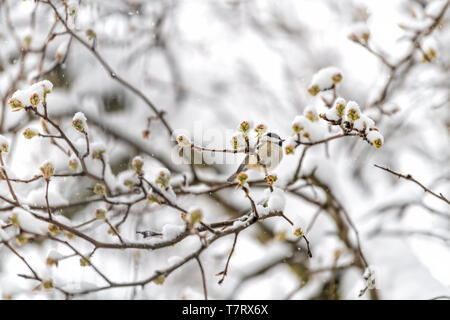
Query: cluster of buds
point(163, 179)
point(53, 229)
point(47, 170)
point(260, 129)
point(137, 165)
point(29, 133)
point(30, 97)
point(100, 214)
point(193, 217)
point(183, 141)
point(271, 179)
point(99, 189)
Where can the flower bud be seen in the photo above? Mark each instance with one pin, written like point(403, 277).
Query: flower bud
point(375, 138)
point(353, 111)
point(260, 129)
point(193, 216)
point(299, 232)
point(244, 127)
point(314, 90)
point(54, 229)
point(100, 214)
point(73, 164)
point(91, 34)
point(183, 141)
point(271, 179)
point(21, 239)
point(163, 179)
point(14, 219)
point(159, 280)
point(30, 133)
point(15, 104)
point(242, 178)
point(79, 122)
point(34, 100)
point(47, 284)
point(99, 189)
point(137, 164)
point(289, 149)
point(152, 198)
point(84, 262)
point(4, 145)
point(48, 170)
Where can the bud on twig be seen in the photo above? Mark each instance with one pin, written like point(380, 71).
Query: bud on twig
point(48, 170)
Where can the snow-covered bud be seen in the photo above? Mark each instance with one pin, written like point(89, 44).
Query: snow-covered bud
point(97, 151)
point(352, 111)
point(47, 284)
point(242, 178)
point(289, 145)
point(15, 104)
point(363, 124)
point(137, 165)
point(376, 138)
point(129, 184)
point(51, 262)
point(29, 133)
point(336, 112)
point(244, 127)
point(53, 258)
point(4, 145)
point(91, 34)
point(27, 41)
point(163, 179)
point(298, 124)
point(260, 129)
point(183, 141)
point(100, 214)
point(289, 149)
point(99, 189)
point(311, 113)
point(299, 232)
point(21, 239)
point(14, 219)
point(79, 122)
point(153, 198)
point(48, 170)
point(314, 89)
point(54, 229)
point(34, 100)
point(360, 33)
point(194, 216)
point(73, 164)
point(271, 179)
point(429, 55)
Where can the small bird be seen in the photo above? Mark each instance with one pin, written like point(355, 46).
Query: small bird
point(267, 156)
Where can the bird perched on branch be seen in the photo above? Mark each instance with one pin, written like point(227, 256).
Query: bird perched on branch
point(266, 157)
